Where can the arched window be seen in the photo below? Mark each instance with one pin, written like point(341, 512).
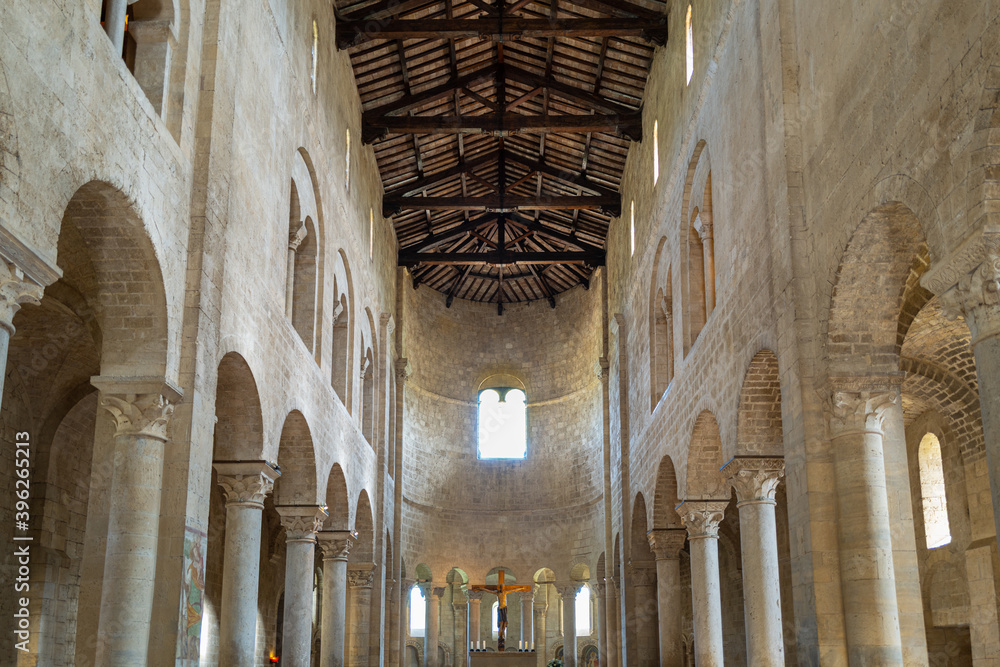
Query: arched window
point(583, 612)
point(503, 425)
point(932, 491)
point(689, 45)
point(418, 612)
point(371, 233)
point(495, 616)
point(368, 396)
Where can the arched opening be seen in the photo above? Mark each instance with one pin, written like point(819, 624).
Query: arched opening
point(643, 580)
point(342, 342)
point(583, 611)
point(368, 396)
point(503, 423)
point(937, 530)
point(697, 247)
point(297, 459)
point(696, 276)
point(418, 612)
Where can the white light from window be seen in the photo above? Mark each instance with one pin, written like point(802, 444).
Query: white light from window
point(689, 33)
point(315, 56)
point(495, 614)
point(937, 529)
point(371, 234)
point(656, 151)
point(503, 425)
point(583, 612)
point(632, 229)
point(418, 612)
point(347, 163)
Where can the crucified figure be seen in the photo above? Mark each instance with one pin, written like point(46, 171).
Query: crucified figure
point(500, 590)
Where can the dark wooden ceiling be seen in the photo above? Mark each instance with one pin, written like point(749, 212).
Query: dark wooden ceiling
point(501, 131)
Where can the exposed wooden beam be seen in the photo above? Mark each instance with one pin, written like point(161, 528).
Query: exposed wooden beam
point(438, 238)
point(431, 180)
point(626, 125)
point(498, 257)
point(537, 227)
point(411, 102)
point(589, 99)
point(353, 32)
point(496, 203)
point(564, 175)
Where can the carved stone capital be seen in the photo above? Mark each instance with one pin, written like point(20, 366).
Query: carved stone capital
point(301, 522)
point(601, 589)
point(976, 297)
point(568, 590)
point(667, 543)
point(474, 596)
point(438, 592)
point(703, 228)
point(601, 368)
point(246, 483)
point(403, 370)
point(858, 411)
point(754, 478)
point(16, 289)
point(361, 577)
point(141, 416)
point(702, 517)
point(296, 238)
point(337, 312)
point(336, 544)
point(365, 367)
point(643, 574)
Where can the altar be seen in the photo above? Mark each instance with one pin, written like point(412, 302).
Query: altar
point(506, 659)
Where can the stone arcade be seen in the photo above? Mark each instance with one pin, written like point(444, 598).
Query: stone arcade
point(684, 316)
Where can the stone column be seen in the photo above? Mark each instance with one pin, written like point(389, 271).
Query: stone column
point(614, 618)
point(600, 590)
point(475, 609)
point(392, 621)
point(867, 579)
point(336, 544)
point(968, 284)
point(527, 603)
point(667, 544)
point(114, 23)
point(704, 230)
point(702, 518)
point(141, 421)
point(568, 593)
point(15, 291)
point(756, 482)
point(245, 485)
point(301, 523)
point(541, 642)
point(360, 579)
point(295, 239)
point(432, 598)
point(461, 645)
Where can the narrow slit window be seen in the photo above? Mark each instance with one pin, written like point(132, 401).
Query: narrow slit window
point(418, 612)
point(347, 163)
point(937, 530)
point(315, 56)
point(656, 151)
point(495, 616)
point(632, 228)
point(689, 43)
point(503, 426)
point(371, 234)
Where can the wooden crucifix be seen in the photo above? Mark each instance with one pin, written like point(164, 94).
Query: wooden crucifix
point(500, 590)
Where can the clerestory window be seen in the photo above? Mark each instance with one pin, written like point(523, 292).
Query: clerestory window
point(503, 425)
point(937, 530)
point(418, 612)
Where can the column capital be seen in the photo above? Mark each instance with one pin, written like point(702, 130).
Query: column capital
point(666, 543)
point(702, 517)
point(859, 406)
point(755, 478)
point(474, 596)
point(246, 483)
point(296, 238)
point(140, 415)
point(703, 227)
point(362, 576)
point(601, 368)
point(569, 589)
point(16, 289)
point(968, 283)
point(301, 522)
point(438, 592)
point(601, 589)
point(336, 544)
point(403, 370)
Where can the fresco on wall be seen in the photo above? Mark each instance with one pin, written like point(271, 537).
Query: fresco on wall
point(192, 596)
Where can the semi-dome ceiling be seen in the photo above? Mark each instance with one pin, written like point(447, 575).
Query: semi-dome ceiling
point(501, 131)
